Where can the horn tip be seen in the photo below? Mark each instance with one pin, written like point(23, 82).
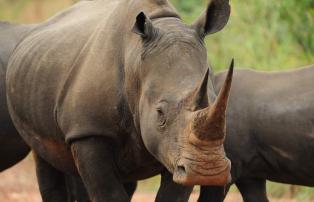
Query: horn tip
point(230, 71)
point(232, 64)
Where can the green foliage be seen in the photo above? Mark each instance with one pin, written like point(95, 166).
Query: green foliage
point(261, 34)
point(15, 8)
point(190, 9)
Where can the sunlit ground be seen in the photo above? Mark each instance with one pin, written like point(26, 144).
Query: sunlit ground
point(18, 184)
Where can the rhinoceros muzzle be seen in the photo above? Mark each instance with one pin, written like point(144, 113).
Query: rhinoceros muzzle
point(203, 167)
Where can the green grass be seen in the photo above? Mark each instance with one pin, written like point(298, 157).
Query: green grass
point(304, 194)
point(299, 193)
point(150, 185)
point(278, 190)
point(274, 190)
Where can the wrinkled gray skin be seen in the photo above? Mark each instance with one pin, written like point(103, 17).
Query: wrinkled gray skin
point(13, 148)
point(96, 95)
point(270, 121)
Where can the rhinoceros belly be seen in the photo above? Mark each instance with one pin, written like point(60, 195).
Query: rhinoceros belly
point(290, 163)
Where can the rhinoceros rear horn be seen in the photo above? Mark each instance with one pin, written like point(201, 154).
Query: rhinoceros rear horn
point(199, 98)
point(143, 26)
point(210, 122)
point(214, 19)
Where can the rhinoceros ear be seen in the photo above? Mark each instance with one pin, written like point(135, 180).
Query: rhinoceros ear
point(143, 26)
point(214, 19)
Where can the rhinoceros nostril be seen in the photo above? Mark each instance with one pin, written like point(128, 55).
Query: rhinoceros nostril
point(181, 170)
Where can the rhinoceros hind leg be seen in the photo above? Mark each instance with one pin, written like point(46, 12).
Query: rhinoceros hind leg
point(51, 181)
point(94, 160)
point(76, 189)
point(252, 190)
point(13, 149)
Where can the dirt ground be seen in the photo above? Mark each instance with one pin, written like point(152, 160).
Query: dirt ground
point(18, 184)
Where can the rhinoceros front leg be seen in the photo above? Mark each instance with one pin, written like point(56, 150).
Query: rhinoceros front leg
point(94, 161)
point(51, 181)
point(170, 191)
point(213, 193)
point(76, 189)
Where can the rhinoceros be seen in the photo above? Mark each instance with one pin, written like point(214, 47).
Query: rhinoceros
point(270, 121)
point(111, 90)
point(13, 148)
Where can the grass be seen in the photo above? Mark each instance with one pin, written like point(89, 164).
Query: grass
point(150, 185)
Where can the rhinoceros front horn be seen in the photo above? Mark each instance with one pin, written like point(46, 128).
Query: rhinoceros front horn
point(210, 123)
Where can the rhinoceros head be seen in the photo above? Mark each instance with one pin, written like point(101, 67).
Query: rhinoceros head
point(181, 121)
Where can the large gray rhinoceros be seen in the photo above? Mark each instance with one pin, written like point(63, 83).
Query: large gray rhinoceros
point(13, 148)
point(111, 90)
point(269, 132)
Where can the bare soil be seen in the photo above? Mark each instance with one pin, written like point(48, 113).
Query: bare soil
point(18, 184)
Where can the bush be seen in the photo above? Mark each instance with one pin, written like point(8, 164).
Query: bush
point(261, 34)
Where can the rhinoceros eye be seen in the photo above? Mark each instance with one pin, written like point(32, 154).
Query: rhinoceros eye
point(161, 115)
point(161, 119)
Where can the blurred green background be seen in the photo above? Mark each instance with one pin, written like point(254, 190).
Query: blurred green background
point(261, 34)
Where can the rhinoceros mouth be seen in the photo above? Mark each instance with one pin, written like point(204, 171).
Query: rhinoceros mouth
point(188, 173)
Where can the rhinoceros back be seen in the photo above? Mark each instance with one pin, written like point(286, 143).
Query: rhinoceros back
point(270, 124)
point(45, 60)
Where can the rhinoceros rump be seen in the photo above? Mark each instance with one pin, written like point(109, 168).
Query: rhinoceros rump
point(107, 87)
point(13, 148)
